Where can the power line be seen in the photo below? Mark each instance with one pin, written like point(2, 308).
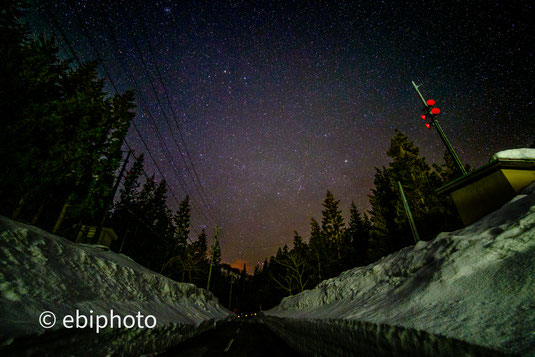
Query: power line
point(144, 106)
point(113, 85)
point(48, 14)
point(144, 30)
point(145, 67)
point(91, 43)
point(93, 47)
point(143, 222)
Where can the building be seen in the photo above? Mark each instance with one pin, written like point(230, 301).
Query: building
point(489, 187)
point(87, 235)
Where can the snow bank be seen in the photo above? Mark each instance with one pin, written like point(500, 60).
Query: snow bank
point(475, 285)
point(40, 271)
point(523, 153)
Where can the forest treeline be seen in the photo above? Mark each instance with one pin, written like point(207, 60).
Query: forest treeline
point(61, 144)
point(334, 245)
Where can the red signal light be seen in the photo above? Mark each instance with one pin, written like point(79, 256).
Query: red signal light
point(422, 116)
point(430, 102)
point(428, 125)
point(435, 111)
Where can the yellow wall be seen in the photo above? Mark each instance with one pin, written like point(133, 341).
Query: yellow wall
point(483, 196)
point(519, 178)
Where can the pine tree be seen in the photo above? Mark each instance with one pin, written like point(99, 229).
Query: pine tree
point(358, 237)
point(129, 192)
point(201, 244)
point(332, 231)
point(217, 254)
point(123, 219)
point(449, 170)
point(182, 222)
point(318, 248)
point(432, 213)
point(64, 134)
point(332, 222)
point(29, 94)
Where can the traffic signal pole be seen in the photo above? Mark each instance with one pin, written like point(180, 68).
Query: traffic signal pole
point(434, 121)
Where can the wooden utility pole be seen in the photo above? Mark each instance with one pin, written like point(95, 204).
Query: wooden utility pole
point(212, 258)
point(61, 216)
point(434, 122)
point(230, 297)
point(110, 199)
point(409, 215)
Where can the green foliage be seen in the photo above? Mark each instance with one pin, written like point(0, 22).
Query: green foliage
point(182, 220)
point(449, 170)
point(432, 213)
point(357, 237)
point(142, 219)
point(217, 254)
point(61, 134)
point(333, 247)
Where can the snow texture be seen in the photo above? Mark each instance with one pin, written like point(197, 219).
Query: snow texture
point(476, 285)
point(523, 153)
point(40, 271)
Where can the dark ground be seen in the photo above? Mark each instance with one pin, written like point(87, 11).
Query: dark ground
point(249, 338)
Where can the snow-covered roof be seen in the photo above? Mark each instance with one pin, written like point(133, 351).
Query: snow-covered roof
point(522, 153)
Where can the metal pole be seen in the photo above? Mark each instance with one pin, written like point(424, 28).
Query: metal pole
point(445, 140)
point(230, 297)
point(409, 215)
point(124, 239)
point(110, 199)
point(212, 259)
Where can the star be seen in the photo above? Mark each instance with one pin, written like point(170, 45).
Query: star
point(263, 98)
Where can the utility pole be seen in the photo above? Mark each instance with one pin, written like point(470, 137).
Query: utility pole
point(110, 199)
point(212, 258)
point(434, 121)
point(409, 215)
point(230, 297)
point(124, 239)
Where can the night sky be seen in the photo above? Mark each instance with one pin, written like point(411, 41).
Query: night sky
point(279, 101)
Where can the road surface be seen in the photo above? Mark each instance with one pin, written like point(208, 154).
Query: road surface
point(241, 337)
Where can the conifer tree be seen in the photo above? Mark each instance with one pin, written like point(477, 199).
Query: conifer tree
point(332, 231)
point(431, 213)
point(182, 222)
point(217, 254)
point(357, 237)
point(201, 244)
point(449, 170)
point(332, 222)
point(129, 191)
point(318, 248)
point(62, 140)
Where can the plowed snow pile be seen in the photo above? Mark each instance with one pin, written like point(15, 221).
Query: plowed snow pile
point(476, 284)
point(40, 271)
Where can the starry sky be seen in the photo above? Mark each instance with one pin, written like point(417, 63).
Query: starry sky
point(274, 102)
